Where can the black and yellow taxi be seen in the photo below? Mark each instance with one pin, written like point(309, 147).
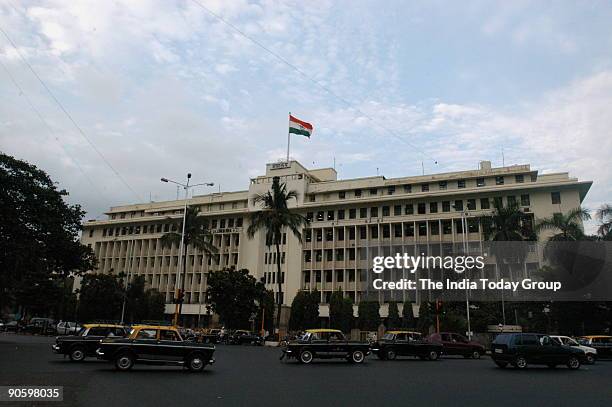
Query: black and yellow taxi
point(156, 345)
point(405, 343)
point(87, 340)
point(325, 344)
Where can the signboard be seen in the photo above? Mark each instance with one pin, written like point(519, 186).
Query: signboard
point(226, 230)
point(279, 166)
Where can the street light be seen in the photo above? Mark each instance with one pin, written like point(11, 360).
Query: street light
point(181, 265)
point(464, 215)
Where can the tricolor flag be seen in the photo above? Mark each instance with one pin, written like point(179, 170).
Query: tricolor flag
point(296, 126)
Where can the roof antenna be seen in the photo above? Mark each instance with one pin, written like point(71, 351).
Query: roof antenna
point(423, 167)
point(503, 158)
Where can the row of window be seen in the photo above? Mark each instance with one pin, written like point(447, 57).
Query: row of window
point(270, 258)
point(165, 227)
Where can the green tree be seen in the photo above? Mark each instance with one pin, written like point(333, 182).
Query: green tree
point(39, 236)
point(407, 315)
point(304, 311)
point(100, 297)
point(275, 217)
point(340, 312)
point(369, 316)
point(506, 224)
point(426, 316)
point(233, 294)
point(393, 320)
point(197, 236)
point(155, 305)
point(568, 226)
point(311, 310)
point(604, 215)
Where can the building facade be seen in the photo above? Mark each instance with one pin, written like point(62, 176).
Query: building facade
point(350, 222)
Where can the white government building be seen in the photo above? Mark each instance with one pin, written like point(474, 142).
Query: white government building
point(350, 221)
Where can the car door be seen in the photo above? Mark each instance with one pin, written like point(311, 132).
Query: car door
point(450, 346)
point(531, 348)
point(170, 346)
point(145, 344)
point(93, 338)
point(401, 344)
point(461, 343)
point(337, 345)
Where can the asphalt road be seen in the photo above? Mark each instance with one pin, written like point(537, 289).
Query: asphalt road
point(253, 376)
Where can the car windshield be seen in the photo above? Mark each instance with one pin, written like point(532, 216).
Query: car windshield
point(569, 342)
point(82, 332)
point(388, 337)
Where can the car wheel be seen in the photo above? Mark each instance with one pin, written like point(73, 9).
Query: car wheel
point(520, 362)
point(573, 363)
point(433, 355)
point(306, 357)
point(196, 363)
point(390, 354)
point(501, 364)
point(590, 358)
point(124, 362)
point(77, 354)
point(476, 354)
point(357, 356)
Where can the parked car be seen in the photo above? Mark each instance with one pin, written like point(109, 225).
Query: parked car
point(522, 349)
point(87, 341)
point(68, 328)
point(603, 344)
point(455, 344)
point(155, 345)
point(41, 326)
point(590, 353)
point(325, 344)
point(405, 343)
point(13, 326)
point(211, 336)
point(241, 337)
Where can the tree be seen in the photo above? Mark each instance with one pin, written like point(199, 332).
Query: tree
point(197, 235)
point(426, 317)
point(393, 320)
point(304, 311)
point(311, 310)
point(155, 305)
point(568, 226)
point(39, 235)
point(407, 315)
point(274, 218)
point(369, 316)
point(604, 215)
point(101, 297)
point(233, 294)
point(340, 312)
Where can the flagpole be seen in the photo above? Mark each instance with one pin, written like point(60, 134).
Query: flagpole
point(288, 137)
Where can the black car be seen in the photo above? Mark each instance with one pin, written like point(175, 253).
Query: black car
point(522, 349)
point(241, 337)
point(405, 343)
point(13, 326)
point(156, 345)
point(41, 326)
point(87, 341)
point(325, 344)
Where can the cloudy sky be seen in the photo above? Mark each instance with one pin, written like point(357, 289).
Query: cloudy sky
point(163, 87)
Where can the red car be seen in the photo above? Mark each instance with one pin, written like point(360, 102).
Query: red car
point(455, 344)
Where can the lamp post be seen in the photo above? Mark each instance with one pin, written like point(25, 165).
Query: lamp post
point(464, 236)
point(181, 266)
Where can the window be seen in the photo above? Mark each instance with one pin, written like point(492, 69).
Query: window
point(352, 213)
point(341, 194)
point(352, 234)
point(386, 231)
point(90, 232)
point(391, 190)
point(374, 232)
point(307, 256)
point(445, 206)
point(480, 182)
point(461, 183)
point(408, 229)
point(312, 198)
point(434, 228)
point(409, 210)
point(340, 214)
point(484, 203)
point(447, 227)
point(458, 205)
point(167, 335)
point(555, 197)
point(525, 200)
point(309, 216)
point(362, 232)
point(330, 215)
point(425, 188)
point(397, 210)
point(407, 189)
point(320, 216)
point(147, 334)
point(358, 193)
point(363, 212)
point(471, 204)
point(421, 208)
point(373, 191)
point(385, 211)
point(519, 179)
point(442, 185)
point(397, 230)
point(499, 180)
point(433, 207)
point(340, 234)
point(374, 212)
point(511, 200)
point(497, 202)
point(422, 228)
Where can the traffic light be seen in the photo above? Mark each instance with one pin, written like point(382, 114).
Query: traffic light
point(180, 297)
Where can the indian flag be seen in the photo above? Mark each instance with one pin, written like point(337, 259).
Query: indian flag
point(296, 126)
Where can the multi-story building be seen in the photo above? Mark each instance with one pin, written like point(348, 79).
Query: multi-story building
point(350, 221)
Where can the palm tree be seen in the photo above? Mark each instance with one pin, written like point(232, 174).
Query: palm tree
point(275, 217)
point(604, 215)
point(569, 225)
point(197, 235)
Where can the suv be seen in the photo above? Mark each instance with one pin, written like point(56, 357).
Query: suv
point(405, 343)
point(325, 344)
point(603, 344)
point(590, 353)
point(455, 344)
point(87, 341)
point(525, 348)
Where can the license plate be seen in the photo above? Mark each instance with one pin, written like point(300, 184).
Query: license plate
point(498, 350)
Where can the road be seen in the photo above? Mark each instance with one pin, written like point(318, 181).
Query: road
point(253, 376)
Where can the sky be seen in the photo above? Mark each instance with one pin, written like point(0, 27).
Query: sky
point(147, 89)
